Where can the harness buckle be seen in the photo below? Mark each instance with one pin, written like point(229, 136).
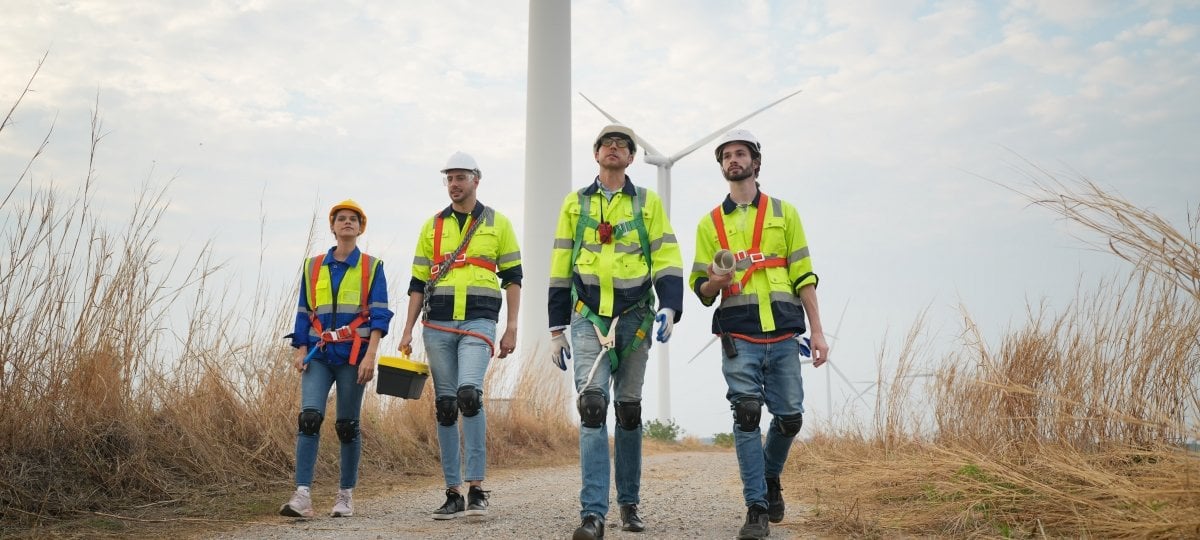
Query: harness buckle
point(739, 255)
point(461, 259)
point(757, 257)
point(344, 333)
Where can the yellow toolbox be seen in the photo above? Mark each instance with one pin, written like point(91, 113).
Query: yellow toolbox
point(400, 376)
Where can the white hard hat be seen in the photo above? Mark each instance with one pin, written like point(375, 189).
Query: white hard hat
point(617, 129)
point(742, 136)
point(461, 160)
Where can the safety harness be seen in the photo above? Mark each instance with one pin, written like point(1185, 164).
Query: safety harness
point(606, 326)
point(442, 264)
point(458, 259)
point(348, 332)
point(758, 260)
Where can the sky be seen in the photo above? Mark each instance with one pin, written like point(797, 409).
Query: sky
point(914, 120)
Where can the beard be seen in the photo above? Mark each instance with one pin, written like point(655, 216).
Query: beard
point(738, 176)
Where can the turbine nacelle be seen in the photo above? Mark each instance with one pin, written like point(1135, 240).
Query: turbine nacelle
point(657, 160)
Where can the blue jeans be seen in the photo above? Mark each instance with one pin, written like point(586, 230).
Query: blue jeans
point(769, 373)
point(627, 387)
point(456, 360)
point(315, 383)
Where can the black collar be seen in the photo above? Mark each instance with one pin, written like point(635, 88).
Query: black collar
point(728, 206)
point(476, 212)
point(628, 188)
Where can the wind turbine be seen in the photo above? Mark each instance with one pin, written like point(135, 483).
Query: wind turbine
point(664, 163)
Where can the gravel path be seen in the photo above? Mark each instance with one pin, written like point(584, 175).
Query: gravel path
point(684, 495)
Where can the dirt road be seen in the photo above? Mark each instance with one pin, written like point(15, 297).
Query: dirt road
point(684, 495)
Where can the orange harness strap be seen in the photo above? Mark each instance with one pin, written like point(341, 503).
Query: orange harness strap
point(757, 259)
point(439, 257)
point(350, 331)
point(491, 346)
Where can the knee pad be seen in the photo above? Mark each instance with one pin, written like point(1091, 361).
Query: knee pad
point(593, 407)
point(629, 414)
point(347, 430)
point(746, 414)
point(310, 421)
point(447, 410)
point(788, 426)
point(470, 400)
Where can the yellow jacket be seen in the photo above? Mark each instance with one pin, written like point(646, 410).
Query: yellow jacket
point(769, 302)
point(470, 288)
point(614, 276)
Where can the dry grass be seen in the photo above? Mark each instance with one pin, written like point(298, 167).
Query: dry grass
point(132, 381)
point(1074, 425)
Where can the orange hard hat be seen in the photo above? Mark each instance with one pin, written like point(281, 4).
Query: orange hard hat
point(349, 204)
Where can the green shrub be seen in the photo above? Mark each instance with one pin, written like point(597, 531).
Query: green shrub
point(668, 431)
point(724, 440)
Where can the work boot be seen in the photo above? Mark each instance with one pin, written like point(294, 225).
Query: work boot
point(343, 505)
point(591, 528)
point(477, 501)
point(452, 508)
point(630, 520)
point(300, 506)
point(756, 527)
point(774, 500)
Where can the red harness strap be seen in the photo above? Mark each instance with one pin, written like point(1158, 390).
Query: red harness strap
point(764, 341)
point(350, 331)
point(439, 257)
point(757, 259)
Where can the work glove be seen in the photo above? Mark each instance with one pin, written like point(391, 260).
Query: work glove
point(805, 346)
point(560, 350)
point(666, 321)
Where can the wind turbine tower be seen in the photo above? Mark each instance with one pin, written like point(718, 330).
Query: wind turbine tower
point(547, 165)
point(664, 163)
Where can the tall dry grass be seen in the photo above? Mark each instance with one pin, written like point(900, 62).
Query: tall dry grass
point(1076, 424)
point(132, 378)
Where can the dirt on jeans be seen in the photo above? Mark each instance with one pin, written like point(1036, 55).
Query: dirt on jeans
point(683, 495)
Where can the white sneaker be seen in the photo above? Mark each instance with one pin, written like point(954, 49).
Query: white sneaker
point(300, 506)
point(343, 505)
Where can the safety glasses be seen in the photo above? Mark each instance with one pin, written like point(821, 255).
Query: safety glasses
point(621, 142)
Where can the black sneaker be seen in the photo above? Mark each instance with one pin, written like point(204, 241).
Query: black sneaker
point(477, 501)
point(591, 528)
point(453, 507)
point(774, 500)
point(630, 520)
point(756, 527)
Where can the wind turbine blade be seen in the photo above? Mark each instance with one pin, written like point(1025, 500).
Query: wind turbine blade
point(702, 349)
point(847, 380)
point(679, 155)
point(638, 139)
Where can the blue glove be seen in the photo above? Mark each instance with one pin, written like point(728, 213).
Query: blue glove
point(805, 347)
point(666, 321)
point(560, 351)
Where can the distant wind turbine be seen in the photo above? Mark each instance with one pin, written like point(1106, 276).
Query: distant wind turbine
point(656, 158)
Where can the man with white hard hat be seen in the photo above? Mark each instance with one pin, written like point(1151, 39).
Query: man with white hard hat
point(614, 251)
point(466, 264)
point(751, 251)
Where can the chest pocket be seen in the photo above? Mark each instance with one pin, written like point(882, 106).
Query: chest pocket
point(486, 242)
point(774, 237)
